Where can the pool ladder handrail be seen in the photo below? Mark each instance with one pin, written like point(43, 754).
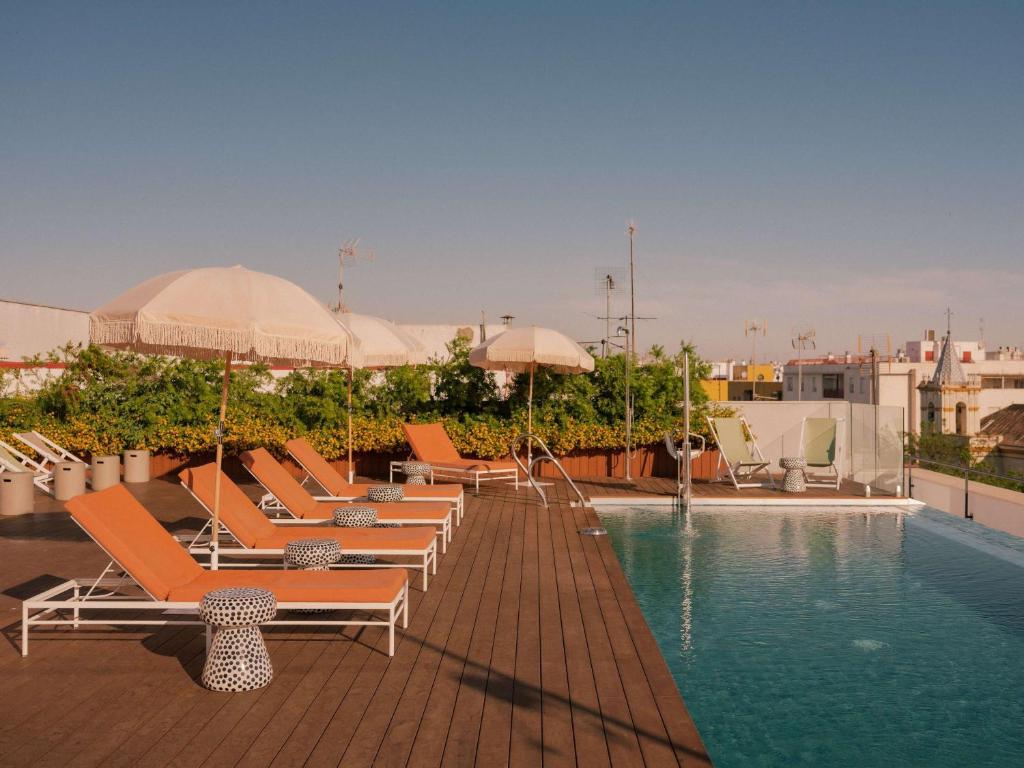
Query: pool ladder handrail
point(544, 455)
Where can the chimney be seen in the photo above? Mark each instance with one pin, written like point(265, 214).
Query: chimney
point(848, 356)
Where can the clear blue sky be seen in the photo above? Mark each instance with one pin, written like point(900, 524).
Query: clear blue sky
point(854, 166)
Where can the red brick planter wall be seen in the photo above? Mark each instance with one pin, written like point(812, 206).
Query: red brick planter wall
point(648, 461)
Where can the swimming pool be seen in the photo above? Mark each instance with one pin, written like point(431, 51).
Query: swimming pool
point(824, 636)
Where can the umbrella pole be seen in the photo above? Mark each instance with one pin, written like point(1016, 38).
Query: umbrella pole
point(351, 468)
point(215, 529)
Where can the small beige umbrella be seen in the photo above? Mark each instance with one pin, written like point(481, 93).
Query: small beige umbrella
point(380, 344)
point(228, 312)
point(525, 349)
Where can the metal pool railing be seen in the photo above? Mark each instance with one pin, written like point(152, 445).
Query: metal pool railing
point(967, 472)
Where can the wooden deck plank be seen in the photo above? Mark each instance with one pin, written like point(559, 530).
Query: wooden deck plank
point(528, 649)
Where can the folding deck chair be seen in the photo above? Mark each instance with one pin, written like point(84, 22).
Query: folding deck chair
point(150, 572)
point(821, 447)
point(50, 452)
point(739, 451)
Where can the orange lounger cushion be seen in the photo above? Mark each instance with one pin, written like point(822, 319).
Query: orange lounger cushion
point(413, 538)
point(431, 444)
point(392, 510)
point(336, 485)
point(253, 530)
point(297, 500)
point(133, 538)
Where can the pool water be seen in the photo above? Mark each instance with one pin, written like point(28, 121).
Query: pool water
point(831, 637)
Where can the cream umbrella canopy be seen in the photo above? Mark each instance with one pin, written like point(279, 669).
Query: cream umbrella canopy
point(525, 349)
point(380, 344)
point(222, 312)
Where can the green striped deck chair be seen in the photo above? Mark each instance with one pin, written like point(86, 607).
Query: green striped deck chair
point(822, 449)
point(738, 451)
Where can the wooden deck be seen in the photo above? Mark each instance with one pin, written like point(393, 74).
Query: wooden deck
point(528, 649)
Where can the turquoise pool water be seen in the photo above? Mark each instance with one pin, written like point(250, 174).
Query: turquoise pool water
point(827, 637)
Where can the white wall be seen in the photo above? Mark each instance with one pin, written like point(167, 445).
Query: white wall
point(30, 329)
point(997, 508)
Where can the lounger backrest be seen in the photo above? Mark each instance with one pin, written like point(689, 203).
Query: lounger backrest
point(31, 439)
point(7, 460)
point(129, 534)
point(732, 441)
point(430, 442)
point(237, 512)
point(317, 466)
point(279, 482)
point(819, 442)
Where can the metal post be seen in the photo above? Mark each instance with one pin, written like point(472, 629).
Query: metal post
point(629, 406)
point(967, 495)
point(686, 430)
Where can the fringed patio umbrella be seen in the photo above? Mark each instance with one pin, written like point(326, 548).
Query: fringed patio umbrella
point(525, 349)
point(222, 312)
point(380, 344)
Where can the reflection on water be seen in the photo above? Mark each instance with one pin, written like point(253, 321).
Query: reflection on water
point(836, 637)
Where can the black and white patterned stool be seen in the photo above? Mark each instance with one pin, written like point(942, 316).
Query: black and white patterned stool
point(312, 554)
point(237, 659)
point(383, 494)
point(416, 472)
point(794, 480)
point(357, 516)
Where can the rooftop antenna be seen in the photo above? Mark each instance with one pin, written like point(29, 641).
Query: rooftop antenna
point(348, 252)
point(506, 320)
point(803, 338)
point(483, 327)
point(608, 281)
point(631, 230)
point(981, 331)
point(753, 329)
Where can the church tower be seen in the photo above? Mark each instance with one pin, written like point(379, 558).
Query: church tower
point(949, 400)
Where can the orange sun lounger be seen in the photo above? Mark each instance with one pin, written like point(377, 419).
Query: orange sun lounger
point(318, 468)
point(150, 571)
point(256, 537)
point(431, 444)
point(297, 501)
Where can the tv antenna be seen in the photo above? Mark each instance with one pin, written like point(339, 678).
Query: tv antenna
point(631, 230)
point(803, 338)
point(608, 281)
point(348, 252)
point(753, 329)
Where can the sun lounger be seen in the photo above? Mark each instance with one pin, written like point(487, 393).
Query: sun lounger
point(431, 444)
point(337, 487)
point(822, 448)
point(738, 450)
point(254, 536)
point(13, 460)
point(297, 501)
point(50, 452)
point(149, 571)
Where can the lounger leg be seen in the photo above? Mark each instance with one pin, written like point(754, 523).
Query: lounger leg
point(426, 561)
point(24, 630)
point(405, 607)
point(391, 632)
point(75, 612)
point(444, 539)
point(477, 476)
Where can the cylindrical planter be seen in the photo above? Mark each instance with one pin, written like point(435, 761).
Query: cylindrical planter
point(68, 480)
point(106, 472)
point(16, 493)
point(136, 466)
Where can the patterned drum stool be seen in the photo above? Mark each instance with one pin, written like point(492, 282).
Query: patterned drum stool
point(793, 481)
point(416, 472)
point(312, 554)
point(237, 659)
point(356, 516)
point(385, 493)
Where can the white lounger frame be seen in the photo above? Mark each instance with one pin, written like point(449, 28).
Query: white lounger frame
point(42, 477)
point(99, 594)
point(270, 502)
point(199, 546)
point(446, 472)
point(46, 448)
